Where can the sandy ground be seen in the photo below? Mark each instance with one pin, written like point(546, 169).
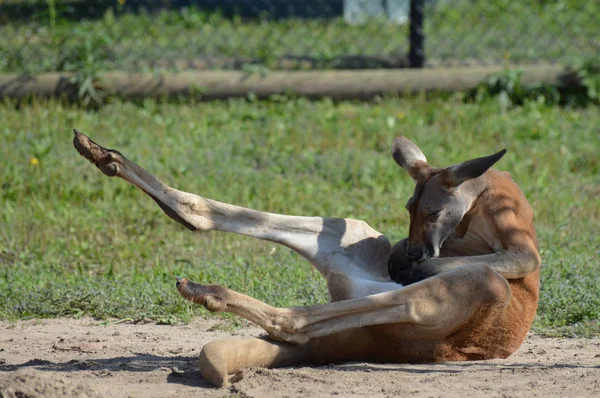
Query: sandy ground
point(87, 358)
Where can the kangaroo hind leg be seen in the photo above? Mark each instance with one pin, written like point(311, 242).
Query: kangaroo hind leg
point(333, 245)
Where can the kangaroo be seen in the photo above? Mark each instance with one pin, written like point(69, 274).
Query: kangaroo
point(463, 286)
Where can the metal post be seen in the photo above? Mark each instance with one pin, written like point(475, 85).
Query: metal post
point(416, 55)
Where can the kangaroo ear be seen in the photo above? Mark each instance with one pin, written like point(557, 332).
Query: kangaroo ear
point(455, 175)
point(409, 157)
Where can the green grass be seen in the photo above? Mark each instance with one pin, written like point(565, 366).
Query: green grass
point(73, 242)
point(460, 31)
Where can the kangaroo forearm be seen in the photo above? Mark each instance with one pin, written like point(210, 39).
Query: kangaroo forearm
point(511, 265)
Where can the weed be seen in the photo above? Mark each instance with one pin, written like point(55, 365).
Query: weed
point(581, 88)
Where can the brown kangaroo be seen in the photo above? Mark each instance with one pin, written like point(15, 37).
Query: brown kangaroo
point(463, 286)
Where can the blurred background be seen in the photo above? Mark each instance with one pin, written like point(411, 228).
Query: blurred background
point(141, 35)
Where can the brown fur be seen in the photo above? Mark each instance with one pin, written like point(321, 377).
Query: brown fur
point(505, 206)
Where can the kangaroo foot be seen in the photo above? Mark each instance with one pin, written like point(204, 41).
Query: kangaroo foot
point(210, 296)
point(107, 160)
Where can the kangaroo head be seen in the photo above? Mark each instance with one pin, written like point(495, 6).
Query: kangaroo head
point(441, 198)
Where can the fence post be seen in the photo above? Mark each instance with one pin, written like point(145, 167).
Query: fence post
point(416, 55)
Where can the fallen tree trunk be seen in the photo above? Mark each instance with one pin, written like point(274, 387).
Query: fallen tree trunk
point(338, 84)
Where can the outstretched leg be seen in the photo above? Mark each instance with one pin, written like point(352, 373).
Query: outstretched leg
point(347, 252)
point(439, 305)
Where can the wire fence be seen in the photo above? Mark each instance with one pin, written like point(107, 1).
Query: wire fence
point(143, 35)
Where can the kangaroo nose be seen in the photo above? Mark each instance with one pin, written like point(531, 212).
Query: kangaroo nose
point(414, 252)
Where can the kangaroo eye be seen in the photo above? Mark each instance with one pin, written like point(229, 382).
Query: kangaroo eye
point(434, 214)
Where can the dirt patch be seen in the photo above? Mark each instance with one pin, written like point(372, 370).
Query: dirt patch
point(87, 358)
point(26, 383)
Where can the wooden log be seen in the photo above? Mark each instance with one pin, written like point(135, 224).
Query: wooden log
point(338, 84)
